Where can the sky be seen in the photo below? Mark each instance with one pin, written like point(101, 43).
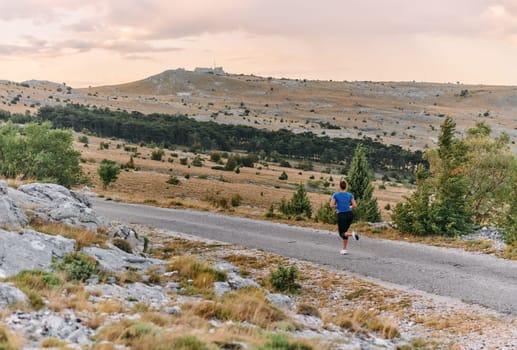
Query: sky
point(100, 42)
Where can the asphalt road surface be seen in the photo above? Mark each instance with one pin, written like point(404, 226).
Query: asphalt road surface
point(470, 277)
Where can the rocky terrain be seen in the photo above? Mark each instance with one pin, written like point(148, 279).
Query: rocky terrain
point(403, 113)
point(71, 280)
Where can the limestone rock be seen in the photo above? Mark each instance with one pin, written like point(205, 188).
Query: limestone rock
point(10, 295)
point(281, 301)
point(220, 288)
point(237, 282)
point(30, 251)
point(128, 234)
point(116, 260)
point(154, 296)
point(57, 203)
point(11, 215)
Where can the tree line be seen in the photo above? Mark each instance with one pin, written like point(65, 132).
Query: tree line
point(179, 130)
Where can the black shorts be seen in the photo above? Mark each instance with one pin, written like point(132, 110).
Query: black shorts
point(344, 220)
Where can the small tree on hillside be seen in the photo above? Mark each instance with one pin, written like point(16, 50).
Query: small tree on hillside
point(298, 205)
point(362, 188)
point(108, 172)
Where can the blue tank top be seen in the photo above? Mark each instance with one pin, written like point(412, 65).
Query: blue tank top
point(343, 201)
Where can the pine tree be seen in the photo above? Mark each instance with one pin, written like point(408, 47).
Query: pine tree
point(440, 204)
point(362, 188)
point(359, 174)
point(300, 203)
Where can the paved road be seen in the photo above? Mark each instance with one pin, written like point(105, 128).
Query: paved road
point(469, 277)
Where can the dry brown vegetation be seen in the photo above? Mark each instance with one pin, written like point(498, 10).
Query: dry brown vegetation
point(82, 236)
point(402, 113)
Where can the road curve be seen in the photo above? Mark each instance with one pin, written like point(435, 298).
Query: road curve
point(470, 277)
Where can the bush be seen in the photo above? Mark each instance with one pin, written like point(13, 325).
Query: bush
point(173, 180)
point(284, 163)
point(283, 176)
point(215, 157)
point(41, 153)
point(83, 139)
point(197, 161)
point(157, 154)
point(298, 205)
point(108, 172)
point(236, 200)
point(326, 214)
point(77, 266)
point(284, 279)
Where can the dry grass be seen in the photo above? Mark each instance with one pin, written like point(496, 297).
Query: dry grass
point(82, 236)
point(76, 298)
point(248, 305)
point(53, 343)
point(95, 321)
point(195, 273)
point(360, 320)
point(8, 339)
point(110, 307)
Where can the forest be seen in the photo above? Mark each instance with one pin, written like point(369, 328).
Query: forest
point(169, 131)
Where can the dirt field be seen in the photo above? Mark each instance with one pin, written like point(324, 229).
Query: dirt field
point(203, 188)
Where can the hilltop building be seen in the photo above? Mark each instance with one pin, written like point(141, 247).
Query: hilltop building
point(214, 70)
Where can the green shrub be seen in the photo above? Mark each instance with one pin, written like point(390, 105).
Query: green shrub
point(236, 200)
point(298, 205)
point(108, 172)
point(280, 342)
point(157, 154)
point(326, 214)
point(283, 176)
point(197, 161)
point(77, 266)
point(123, 244)
point(173, 180)
point(284, 279)
point(83, 139)
point(215, 157)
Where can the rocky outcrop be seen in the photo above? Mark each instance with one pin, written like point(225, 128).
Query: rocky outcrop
point(126, 233)
point(30, 250)
point(10, 295)
point(116, 260)
point(57, 203)
point(11, 215)
point(154, 296)
point(37, 325)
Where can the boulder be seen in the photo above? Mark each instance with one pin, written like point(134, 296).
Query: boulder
point(116, 260)
point(11, 215)
point(220, 288)
point(237, 282)
point(154, 296)
point(10, 295)
point(57, 203)
point(281, 301)
point(30, 251)
point(128, 234)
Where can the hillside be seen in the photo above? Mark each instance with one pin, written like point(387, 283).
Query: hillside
point(401, 113)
